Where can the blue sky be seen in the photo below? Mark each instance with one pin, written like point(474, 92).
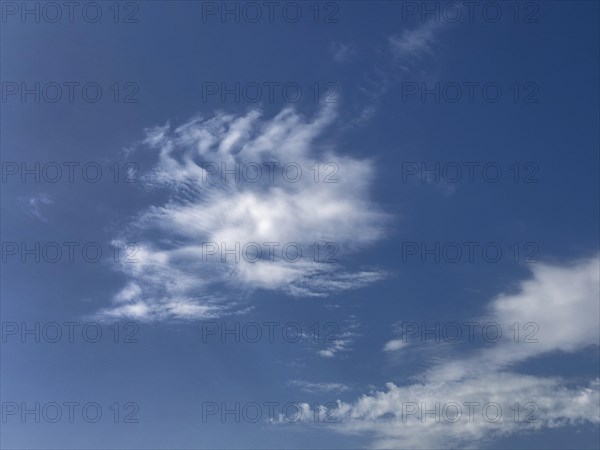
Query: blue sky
point(328, 230)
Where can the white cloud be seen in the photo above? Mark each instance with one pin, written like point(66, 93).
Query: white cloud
point(342, 52)
point(563, 301)
point(394, 345)
point(307, 386)
point(403, 54)
point(340, 341)
point(365, 116)
point(413, 45)
point(173, 271)
point(34, 205)
point(397, 416)
point(130, 292)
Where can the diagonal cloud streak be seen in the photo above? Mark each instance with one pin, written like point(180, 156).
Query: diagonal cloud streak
point(456, 402)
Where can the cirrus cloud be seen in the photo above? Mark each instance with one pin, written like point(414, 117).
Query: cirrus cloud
point(211, 206)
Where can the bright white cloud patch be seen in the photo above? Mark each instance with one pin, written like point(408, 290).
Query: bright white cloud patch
point(394, 345)
point(471, 399)
point(253, 203)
